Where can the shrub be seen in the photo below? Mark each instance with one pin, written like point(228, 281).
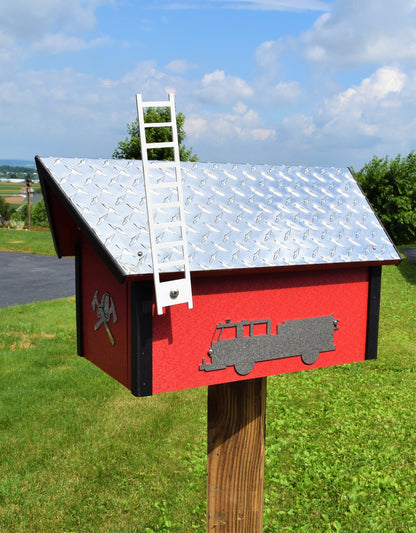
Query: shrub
point(390, 186)
point(19, 217)
point(39, 216)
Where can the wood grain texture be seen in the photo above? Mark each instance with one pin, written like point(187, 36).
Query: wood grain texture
point(236, 447)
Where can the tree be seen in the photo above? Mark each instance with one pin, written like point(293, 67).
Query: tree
point(390, 186)
point(130, 147)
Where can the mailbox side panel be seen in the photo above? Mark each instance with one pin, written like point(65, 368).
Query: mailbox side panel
point(102, 315)
point(308, 302)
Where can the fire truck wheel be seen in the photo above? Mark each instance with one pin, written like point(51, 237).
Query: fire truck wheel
point(309, 357)
point(244, 367)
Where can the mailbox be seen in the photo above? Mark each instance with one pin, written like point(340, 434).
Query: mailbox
point(285, 269)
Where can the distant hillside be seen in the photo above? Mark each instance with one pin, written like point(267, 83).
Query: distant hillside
point(27, 163)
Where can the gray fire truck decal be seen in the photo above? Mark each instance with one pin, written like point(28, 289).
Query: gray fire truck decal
point(307, 337)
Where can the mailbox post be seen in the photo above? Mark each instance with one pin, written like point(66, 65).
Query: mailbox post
point(236, 451)
point(285, 266)
point(28, 197)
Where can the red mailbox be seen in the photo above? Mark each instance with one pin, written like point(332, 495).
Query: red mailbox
point(285, 265)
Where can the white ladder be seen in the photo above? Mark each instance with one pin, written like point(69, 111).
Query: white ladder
point(175, 291)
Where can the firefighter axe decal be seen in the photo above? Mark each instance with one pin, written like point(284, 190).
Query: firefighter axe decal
point(105, 310)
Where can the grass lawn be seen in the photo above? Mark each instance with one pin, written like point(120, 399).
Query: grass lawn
point(80, 454)
point(30, 242)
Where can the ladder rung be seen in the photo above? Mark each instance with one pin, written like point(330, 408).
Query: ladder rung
point(170, 244)
point(158, 124)
point(179, 262)
point(149, 146)
point(166, 204)
point(165, 103)
point(162, 164)
point(167, 225)
point(164, 185)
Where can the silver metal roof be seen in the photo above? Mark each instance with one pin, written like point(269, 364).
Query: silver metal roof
point(237, 216)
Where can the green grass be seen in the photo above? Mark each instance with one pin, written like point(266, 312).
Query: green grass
point(80, 454)
point(31, 242)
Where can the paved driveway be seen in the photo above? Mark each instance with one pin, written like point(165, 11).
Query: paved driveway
point(26, 278)
point(410, 253)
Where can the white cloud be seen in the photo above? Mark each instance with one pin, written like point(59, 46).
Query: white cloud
point(56, 109)
point(234, 136)
point(240, 108)
point(7, 50)
point(268, 56)
point(377, 116)
point(299, 126)
point(46, 26)
point(285, 92)
point(217, 88)
point(232, 128)
point(180, 66)
point(261, 5)
point(279, 5)
point(358, 110)
point(356, 33)
point(67, 113)
point(28, 19)
point(59, 43)
point(196, 126)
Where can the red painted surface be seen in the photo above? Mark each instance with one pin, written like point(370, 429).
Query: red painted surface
point(97, 345)
point(65, 229)
point(182, 336)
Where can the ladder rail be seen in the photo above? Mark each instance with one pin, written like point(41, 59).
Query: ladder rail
point(180, 290)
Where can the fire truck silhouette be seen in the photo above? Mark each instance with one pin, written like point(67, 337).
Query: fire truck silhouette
point(242, 344)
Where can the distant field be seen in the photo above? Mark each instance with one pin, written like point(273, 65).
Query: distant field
point(14, 200)
point(9, 188)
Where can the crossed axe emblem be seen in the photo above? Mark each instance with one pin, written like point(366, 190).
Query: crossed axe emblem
point(105, 310)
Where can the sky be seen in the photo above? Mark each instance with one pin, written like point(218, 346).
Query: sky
point(297, 82)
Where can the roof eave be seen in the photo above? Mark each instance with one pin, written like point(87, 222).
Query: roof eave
point(49, 184)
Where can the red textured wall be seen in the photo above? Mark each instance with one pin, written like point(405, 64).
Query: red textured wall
point(97, 346)
point(182, 337)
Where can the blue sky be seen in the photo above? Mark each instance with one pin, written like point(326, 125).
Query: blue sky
point(314, 82)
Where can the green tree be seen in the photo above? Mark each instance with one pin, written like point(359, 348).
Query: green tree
point(130, 147)
point(390, 186)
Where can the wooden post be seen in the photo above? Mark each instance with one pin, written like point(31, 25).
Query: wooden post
point(28, 192)
point(236, 445)
point(28, 207)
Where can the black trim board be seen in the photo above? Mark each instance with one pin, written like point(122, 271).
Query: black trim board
point(78, 300)
point(47, 181)
point(373, 313)
point(45, 193)
point(141, 301)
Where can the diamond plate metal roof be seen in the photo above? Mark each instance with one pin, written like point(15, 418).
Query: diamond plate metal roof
point(237, 216)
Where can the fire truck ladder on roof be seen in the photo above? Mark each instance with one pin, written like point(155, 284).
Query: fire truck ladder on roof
point(175, 291)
